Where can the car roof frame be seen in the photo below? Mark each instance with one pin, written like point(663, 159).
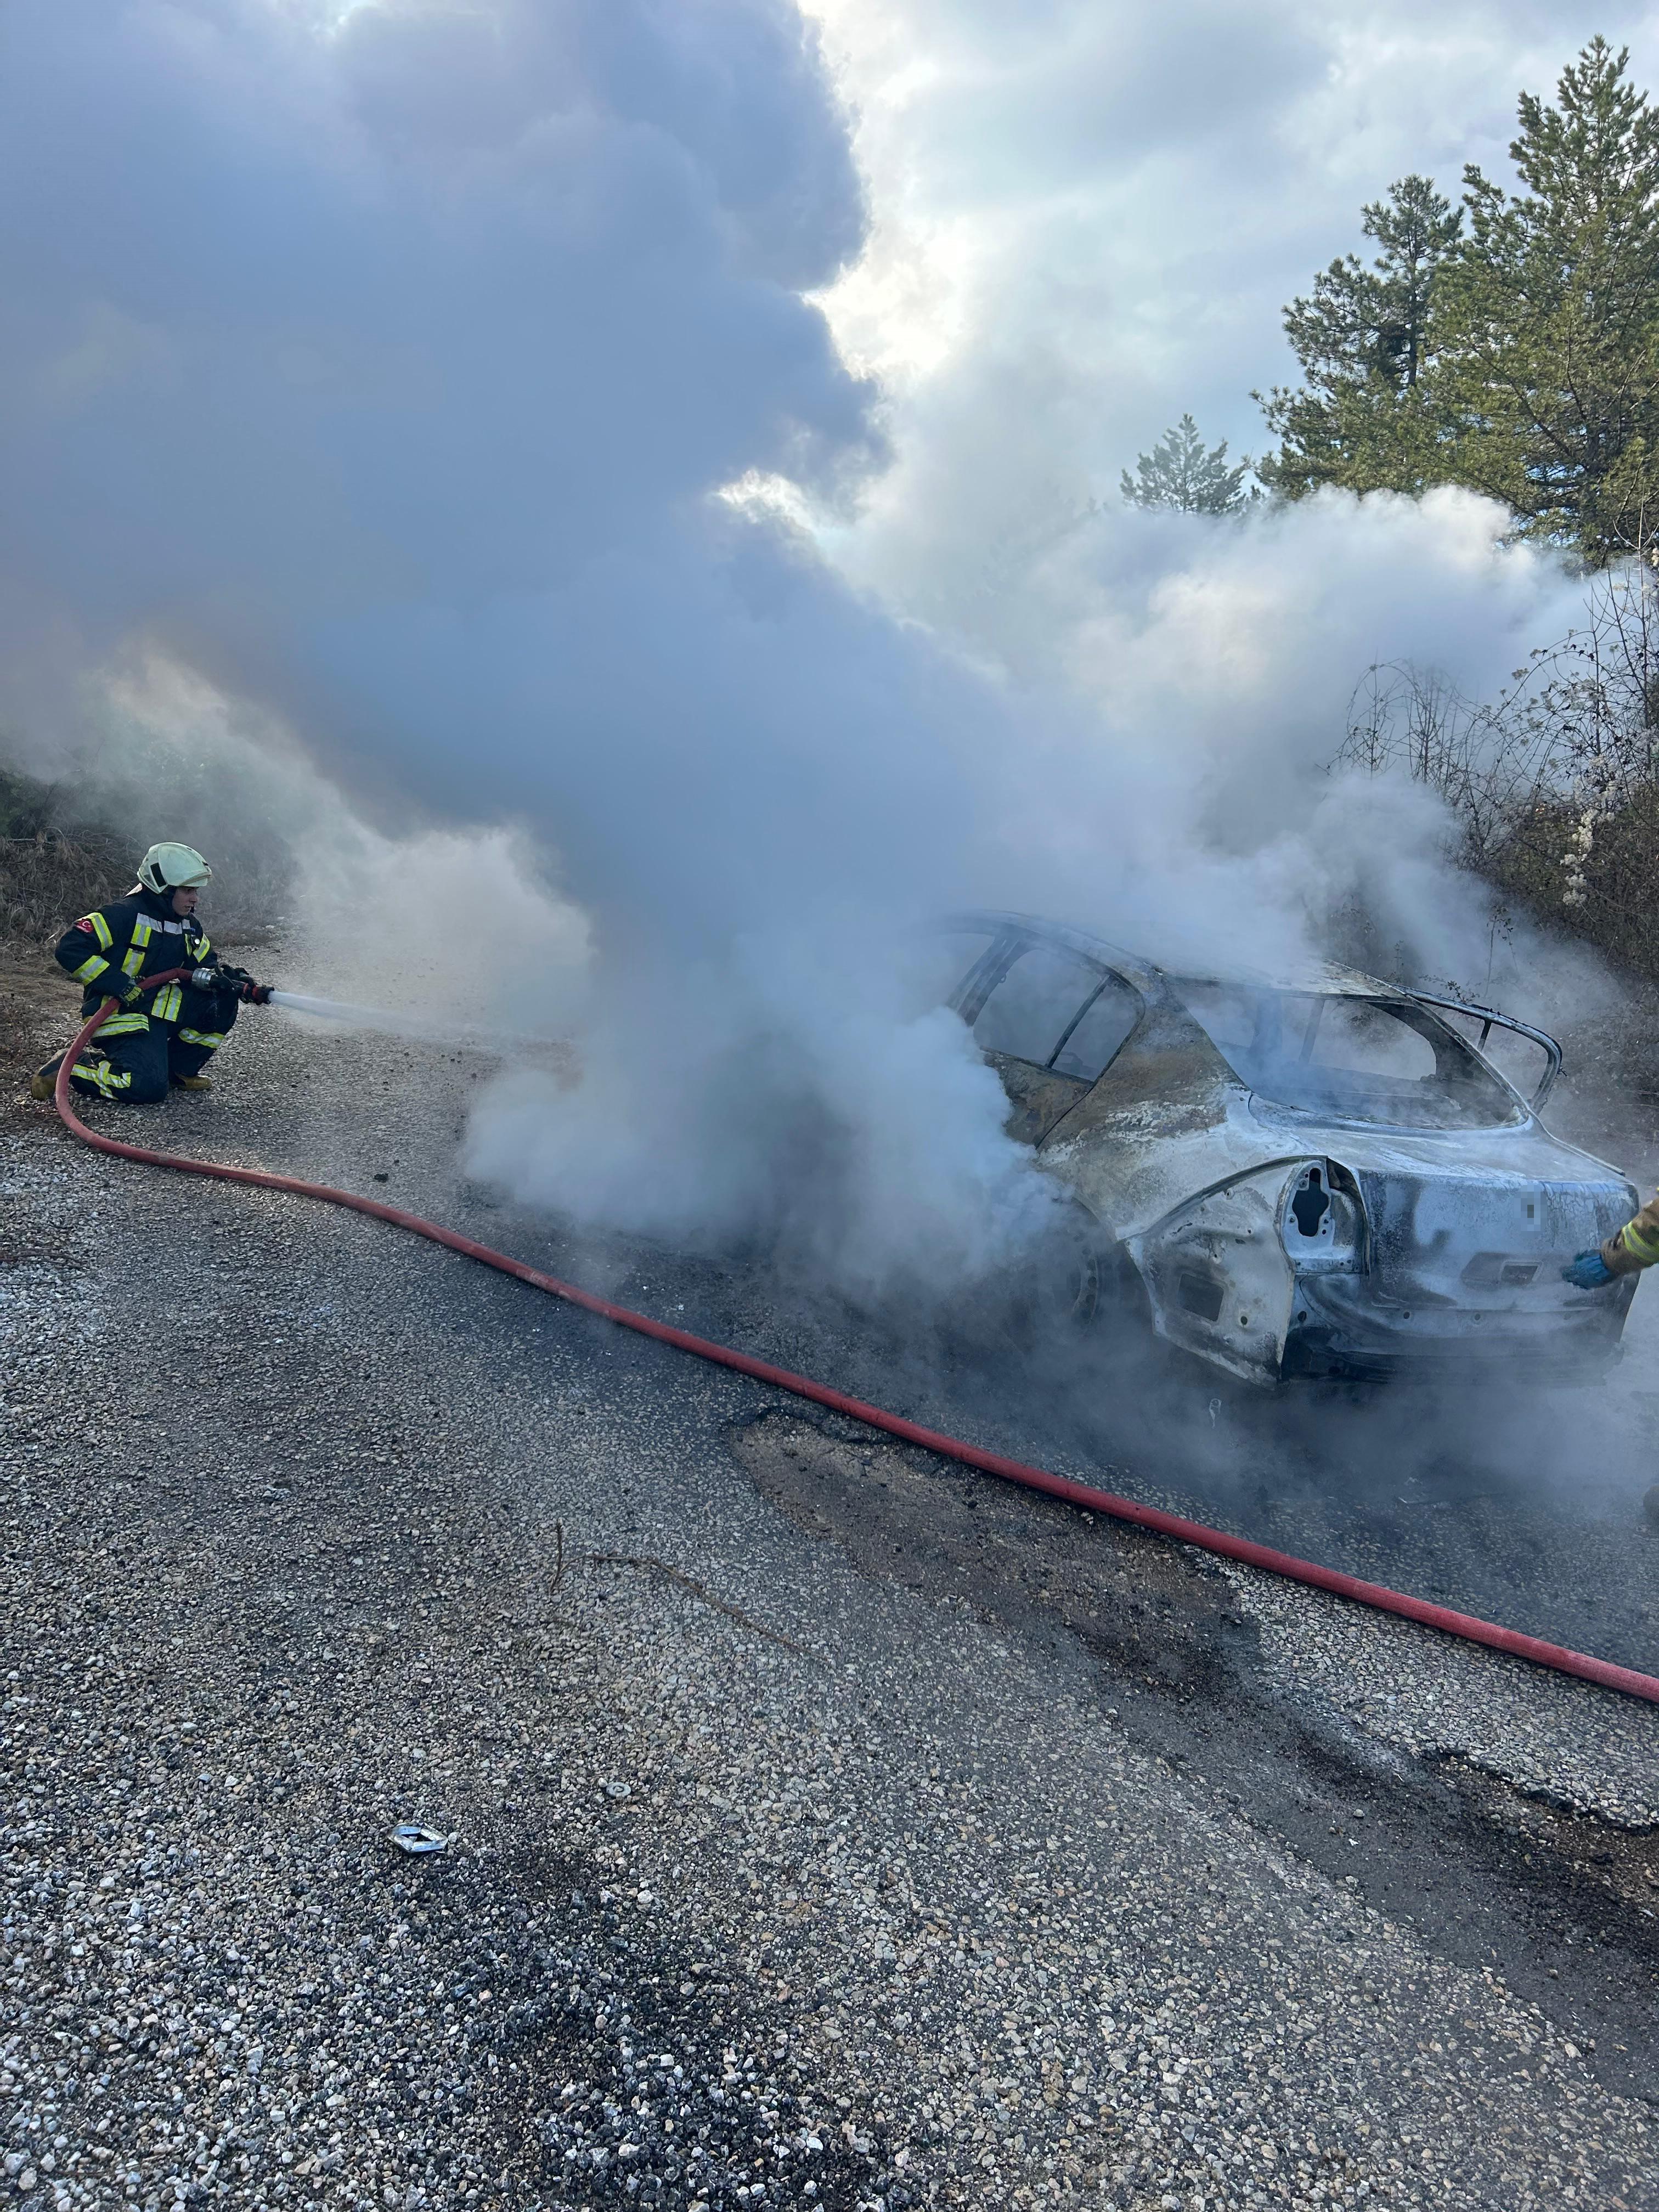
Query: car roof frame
point(1147, 977)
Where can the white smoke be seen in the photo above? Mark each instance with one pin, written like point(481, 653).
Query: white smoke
point(789, 1097)
point(383, 375)
point(409, 919)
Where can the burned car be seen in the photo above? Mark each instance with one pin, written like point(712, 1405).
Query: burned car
point(1331, 1177)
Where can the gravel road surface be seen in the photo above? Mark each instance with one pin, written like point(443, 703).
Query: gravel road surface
point(825, 1826)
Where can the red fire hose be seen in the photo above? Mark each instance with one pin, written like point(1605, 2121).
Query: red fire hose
point(1217, 1541)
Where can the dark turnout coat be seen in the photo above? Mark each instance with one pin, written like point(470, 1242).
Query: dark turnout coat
point(177, 1028)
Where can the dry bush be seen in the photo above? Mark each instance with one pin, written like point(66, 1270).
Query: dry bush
point(1554, 785)
point(1598, 873)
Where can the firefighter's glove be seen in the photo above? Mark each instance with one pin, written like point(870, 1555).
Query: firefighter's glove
point(1588, 1272)
point(129, 990)
point(237, 982)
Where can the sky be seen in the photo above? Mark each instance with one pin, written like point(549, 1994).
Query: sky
point(385, 364)
point(664, 450)
point(1087, 217)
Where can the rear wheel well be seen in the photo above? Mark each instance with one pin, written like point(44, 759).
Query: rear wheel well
point(1088, 1274)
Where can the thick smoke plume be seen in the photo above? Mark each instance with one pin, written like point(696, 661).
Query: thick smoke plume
point(395, 382)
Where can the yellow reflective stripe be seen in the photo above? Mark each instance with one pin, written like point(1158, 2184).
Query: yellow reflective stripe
point(166, 1004)
point(212, 1039)
point(107, 1079)
point(132, 961)
point(203, 947)
point(1640, 1247)
point(124, 1025)
point(94, 966)
point(101, 930)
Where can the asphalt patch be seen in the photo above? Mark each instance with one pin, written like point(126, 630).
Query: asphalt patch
point(1560, 1904)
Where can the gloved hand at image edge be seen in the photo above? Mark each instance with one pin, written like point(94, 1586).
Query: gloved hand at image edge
point(1588, 1272)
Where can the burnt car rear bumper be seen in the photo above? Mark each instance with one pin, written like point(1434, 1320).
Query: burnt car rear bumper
point(1340, 1331)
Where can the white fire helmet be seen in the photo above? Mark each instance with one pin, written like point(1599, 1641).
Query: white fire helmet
point(173, 868)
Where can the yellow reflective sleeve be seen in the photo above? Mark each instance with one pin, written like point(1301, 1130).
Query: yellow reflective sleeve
point(101, 930)
point(97, 965)
point(1640, 1238)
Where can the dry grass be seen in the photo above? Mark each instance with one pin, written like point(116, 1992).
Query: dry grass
point(47, 880)
point(53, 866)
point(49, 874)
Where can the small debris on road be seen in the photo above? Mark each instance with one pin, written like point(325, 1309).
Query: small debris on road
point(410, 1837)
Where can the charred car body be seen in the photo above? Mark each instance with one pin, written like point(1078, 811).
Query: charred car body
point(1325, 1178)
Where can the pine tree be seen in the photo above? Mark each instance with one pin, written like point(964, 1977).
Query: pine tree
point(1367, 416)
point(1549, 333)
point(1180, 473)
point(1512, 346)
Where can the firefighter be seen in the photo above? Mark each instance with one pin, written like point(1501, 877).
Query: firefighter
point(1626, 1252)
point(165, 1036)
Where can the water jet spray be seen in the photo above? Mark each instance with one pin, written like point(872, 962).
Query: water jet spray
point(387, 1024)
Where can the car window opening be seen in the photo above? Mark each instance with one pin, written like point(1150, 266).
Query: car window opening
point(1355, 1058)
point(1058, 1012)
point(1311, 1204)
point(1099, 1033)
